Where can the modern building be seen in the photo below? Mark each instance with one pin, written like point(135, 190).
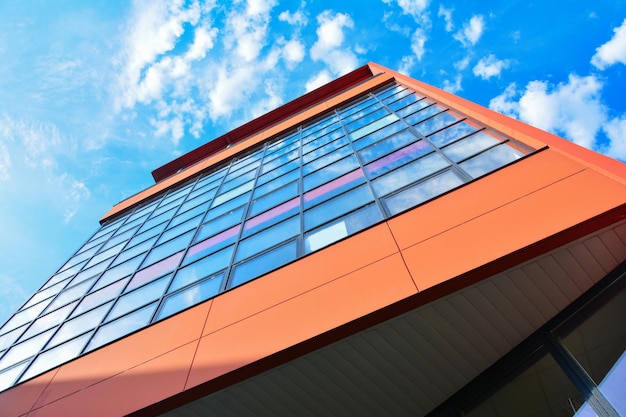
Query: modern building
point(375, 247)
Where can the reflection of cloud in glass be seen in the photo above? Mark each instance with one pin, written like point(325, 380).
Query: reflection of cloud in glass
point(408, 174)
point(422, 192)
point(490, 160)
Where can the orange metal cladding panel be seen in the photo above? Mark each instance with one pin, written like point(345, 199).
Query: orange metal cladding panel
point(301, 318)
point(126, 353)
point(19, 400)
point(301, 276)
point(513, 226)
point(254, 140)
point(533, 137)
point(475, 199)
point(129, 391)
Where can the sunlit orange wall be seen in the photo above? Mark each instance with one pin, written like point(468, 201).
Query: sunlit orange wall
point(406, 257)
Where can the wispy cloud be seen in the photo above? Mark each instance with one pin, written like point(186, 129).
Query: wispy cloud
point(418, 42)
point(613, 51)
point(490, 66)
point(471, 32)
point(453, 86)
point(446, 14)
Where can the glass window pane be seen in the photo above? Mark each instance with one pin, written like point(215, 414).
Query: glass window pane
point(268, 238)
point(366, 130)
point(48, 321)
point(422, 191)
point(25, 349)
point(338, 229)
point(9, 338)
point(333, 188)
point(378, 135)
point(409, 173)
point(262, 264)
point(220, 224)
point(469, 146)
point(324, 145)
point(155, 271)
point(437, 122)
point(100, 296)
point(186, 215)
point(91, 272)
point(425, 109)
point(387, 146)
point(8, 376)
point(201, 269)
point(80, 324)
point(141, 296)
point(336, 207)
point(55, 357)
point(44, 294)
point(63, 275)
point(271, 217)
point(118, 272)
point(599, 346)
point(453, 133)
point(330, 172)
point(276, 183)
point(273, 199)
point(226, 207)
point(212, 244)
point(325, 160)
point(150, 233)
point(168, 248)
point(24, 316)
point(106, 254)
point(134, 251)
point(540, 390)
point(190, 296)
point(122, 326)
point(493, 159)
point(70, 294)
point(181, 228)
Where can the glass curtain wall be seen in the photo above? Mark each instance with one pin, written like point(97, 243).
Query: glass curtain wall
point(383, 153)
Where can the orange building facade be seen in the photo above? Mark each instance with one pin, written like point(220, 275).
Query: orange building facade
point(375, 247)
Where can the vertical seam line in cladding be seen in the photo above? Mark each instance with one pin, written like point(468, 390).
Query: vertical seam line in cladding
point(402, 256)
point(496, 208)
point(32, 407)
point(302, 293)
point(193, 359)
point(113, 376)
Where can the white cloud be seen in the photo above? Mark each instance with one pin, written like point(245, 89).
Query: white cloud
point(406, 64)
point(153, 29)
point(330, 38)
point(490, 66)
point(615, 130)
point(446, 14)
point(414, 8)
point(471, 32)
point(248, 30)
point(297, 18)
point(453, 87)
point(571, 109)
point(293, 51)
point(462, 64)
point(418, 41)
point(613, 51)
point(318, 80)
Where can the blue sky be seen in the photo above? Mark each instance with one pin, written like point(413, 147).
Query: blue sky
point(95, 95)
